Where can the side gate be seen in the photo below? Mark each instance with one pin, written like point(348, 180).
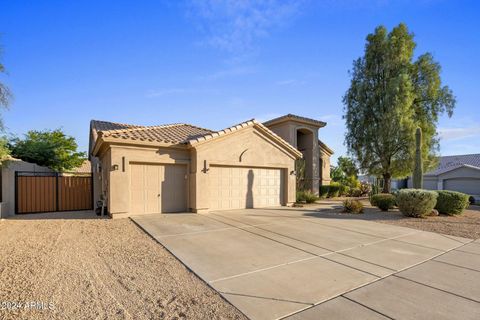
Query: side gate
point(37, 192)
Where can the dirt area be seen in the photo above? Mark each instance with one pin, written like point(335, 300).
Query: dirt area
point(466, 225)
point(97, 269)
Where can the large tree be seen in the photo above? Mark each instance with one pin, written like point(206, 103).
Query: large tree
point(390, 95)
point(53, 149)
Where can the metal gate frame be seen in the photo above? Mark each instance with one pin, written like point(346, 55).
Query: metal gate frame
point(56, 175)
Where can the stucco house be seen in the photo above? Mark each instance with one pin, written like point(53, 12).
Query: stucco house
point(181, 167)
point(458, 173)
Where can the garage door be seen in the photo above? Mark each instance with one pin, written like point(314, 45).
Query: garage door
point(240, 187)
point(158, 188)
point(468, 186)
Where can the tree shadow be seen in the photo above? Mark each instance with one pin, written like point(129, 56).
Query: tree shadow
point(249, 198)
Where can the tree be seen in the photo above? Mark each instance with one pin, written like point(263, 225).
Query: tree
point(53, 149)
point(5, 97)
point(390, 95)
point(346, 172)
point(418, 168)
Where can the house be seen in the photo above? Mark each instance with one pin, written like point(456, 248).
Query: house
point(181, 167)
point(458, 173)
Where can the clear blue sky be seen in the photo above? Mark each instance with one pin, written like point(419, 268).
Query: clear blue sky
point(216, 63)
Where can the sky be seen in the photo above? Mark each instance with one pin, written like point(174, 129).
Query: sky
point(215, 63)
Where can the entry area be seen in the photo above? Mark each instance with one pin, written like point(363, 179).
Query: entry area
point(289, 263)
point(158, 188)
point(242, 187)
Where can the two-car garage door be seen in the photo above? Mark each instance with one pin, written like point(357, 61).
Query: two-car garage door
point(158, 188)
point(243, 187)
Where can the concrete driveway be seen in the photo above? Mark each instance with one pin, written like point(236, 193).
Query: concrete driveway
point(290, 263)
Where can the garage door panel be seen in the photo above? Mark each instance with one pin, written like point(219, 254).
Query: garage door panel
point(468, 186)
point(157, 188)
point(241, 187)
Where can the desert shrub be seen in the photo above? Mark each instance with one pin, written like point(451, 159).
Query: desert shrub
point(333, 190)
point(451, 202)
point(344, 190)
point(365, 188)
point(471, 200)
point(383, 201)
point(416, 202)
point(355, 192)
point(324, 191)
point(352, 206)
point(306, 196)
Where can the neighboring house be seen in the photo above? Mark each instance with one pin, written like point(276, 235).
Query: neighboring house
point(181, 167)
point(7, 182)
point(458, 173)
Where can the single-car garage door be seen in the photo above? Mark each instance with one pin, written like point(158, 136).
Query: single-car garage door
point(468, 186)
point(158, 188)
point(242, 187)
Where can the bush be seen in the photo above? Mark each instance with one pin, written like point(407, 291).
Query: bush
point(416, 202)
point(451, 202)
point(471, 200)
point(365, 188)
point(344, 190)
point(324, 191)
point(383, 201)
point(355, 192)
point(333, 191)
point(306, 196)
point(352, 206)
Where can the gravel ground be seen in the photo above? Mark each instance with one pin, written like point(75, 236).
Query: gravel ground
point(93, 268)
point(466, 225)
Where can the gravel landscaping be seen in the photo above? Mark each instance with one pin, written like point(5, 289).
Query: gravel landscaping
point(466, 225)
point(93, 268)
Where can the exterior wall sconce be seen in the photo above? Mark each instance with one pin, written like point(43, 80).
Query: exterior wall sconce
point(115, 167)
point(293, 173)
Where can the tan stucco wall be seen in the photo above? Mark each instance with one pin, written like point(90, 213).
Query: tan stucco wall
point(325, 169)
point(288, 131)
point(8, 183)
point(246, 147)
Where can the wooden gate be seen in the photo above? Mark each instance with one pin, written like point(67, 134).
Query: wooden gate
point(51, 191)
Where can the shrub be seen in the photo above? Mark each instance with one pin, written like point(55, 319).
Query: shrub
point(344, 190)
point(471, 200)
point(365, 188)
point(324, 191)
point(416, 202)
point(451, 202)
point(352, 206)
point(383, 201)
point(306, 196)
point(355, 192)
point(333, 190)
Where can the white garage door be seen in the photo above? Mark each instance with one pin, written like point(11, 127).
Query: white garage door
point(158, 188)
point(240, 187)
point(468, 186)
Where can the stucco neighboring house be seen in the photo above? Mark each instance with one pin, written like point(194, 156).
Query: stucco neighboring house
point(181, 167)
point(458, 173)
point(7, 178)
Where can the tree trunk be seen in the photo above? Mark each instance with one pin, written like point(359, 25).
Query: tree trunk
point(387, 177)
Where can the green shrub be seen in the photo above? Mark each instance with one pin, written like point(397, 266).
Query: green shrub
point(333, 191)
point(365, 188)
point(306, 196)
point(383, 201)
point(344, 190)
point(355, 192)
point(324, 191)
point(352, 206)
point(416, 202)
point(451, 202)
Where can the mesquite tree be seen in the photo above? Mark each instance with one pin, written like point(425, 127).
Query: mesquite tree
point(389, 96)
point(418, 168)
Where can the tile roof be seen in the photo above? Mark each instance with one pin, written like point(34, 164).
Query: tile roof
point(85, 167)
point(170, 133)
point(297, 118)
point(177, 133)
point(449, 163)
